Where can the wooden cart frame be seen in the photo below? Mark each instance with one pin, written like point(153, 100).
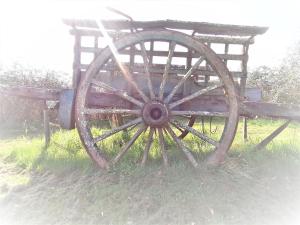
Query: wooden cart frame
point(149, 74)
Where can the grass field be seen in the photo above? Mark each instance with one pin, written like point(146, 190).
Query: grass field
point(62, 185)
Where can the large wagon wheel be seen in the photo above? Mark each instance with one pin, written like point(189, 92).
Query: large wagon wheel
point(152, 111)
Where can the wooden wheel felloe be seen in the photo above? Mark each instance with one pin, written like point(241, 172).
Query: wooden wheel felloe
point(151, 101)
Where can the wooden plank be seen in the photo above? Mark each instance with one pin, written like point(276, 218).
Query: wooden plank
point(107, 100)
point(89, 32)
point(165, 53)
point(202, 38)
point(224, 40)
point(271, 110)
point(213, 102)
point(30, 92)
point(253, 94)
point(200, 27)
point(156, 69)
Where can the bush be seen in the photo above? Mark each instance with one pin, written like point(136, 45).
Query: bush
point(15, 112)
point(281, 85)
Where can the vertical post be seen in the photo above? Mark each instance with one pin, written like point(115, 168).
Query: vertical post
point(245, 130)
point(151, 53)
point(188, 66)
point(76, 61)
point(189, 59)
point(226, 52)
point(95, 46)
point(131, 59)
point(26, 127)
point(131, 63)
point(207, 77)
point(243, 86)
point(46, 127)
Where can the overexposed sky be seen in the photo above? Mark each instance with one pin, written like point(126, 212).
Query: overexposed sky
point(31, 32)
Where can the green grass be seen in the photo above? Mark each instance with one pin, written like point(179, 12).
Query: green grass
point(63, 186)
point(66, 151)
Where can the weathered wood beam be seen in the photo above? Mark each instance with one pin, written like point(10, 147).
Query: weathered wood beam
point(165, 53)
point(30, 92)
point(271, 110)
point(214, 101)
point(202, 38)
point(224, 39)
point(98, 33)
point(211, 103)
point(200, 27)
point(157, 69)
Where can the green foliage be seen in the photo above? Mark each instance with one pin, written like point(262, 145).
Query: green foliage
point(281, 84)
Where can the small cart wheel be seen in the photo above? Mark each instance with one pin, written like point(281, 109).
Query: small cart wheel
point(150, 112)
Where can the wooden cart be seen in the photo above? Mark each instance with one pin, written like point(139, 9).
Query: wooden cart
point(154, 79)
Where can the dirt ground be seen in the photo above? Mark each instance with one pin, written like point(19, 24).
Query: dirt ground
point(264, 189)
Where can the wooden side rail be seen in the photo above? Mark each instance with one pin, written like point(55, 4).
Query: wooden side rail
point(30, 92)
point(203, 38)
point(270, 110)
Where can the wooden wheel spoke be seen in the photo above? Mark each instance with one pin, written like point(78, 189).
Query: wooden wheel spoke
point(117, 129)
point(198, 113)
point(117, 92)
point(146, 62)
point(125, 71)
point(185, 149)
point(163, 146)
point(166, 71)
point(194, 95)
point(148, 146)
point(195, 132)
point(178, 128)
point(182, 81)
point(91, 111)
point(127, 75)
point(126, 147)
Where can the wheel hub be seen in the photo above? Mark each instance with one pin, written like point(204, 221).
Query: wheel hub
point(155, 114)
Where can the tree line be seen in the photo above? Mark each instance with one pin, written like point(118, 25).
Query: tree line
point(280, 84)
